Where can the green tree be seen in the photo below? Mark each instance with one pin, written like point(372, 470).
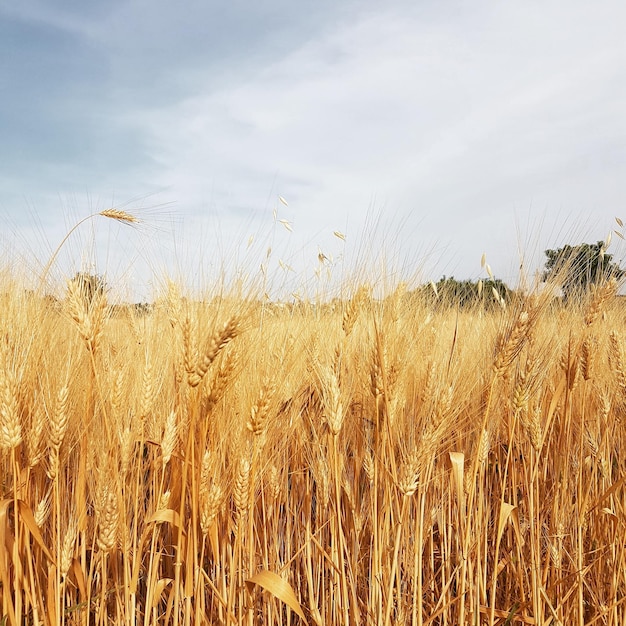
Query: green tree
point(576, 268)
point(468, 293)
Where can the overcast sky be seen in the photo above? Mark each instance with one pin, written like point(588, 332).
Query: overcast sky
point(425, 132)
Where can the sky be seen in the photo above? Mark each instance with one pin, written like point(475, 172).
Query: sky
point(404, 139)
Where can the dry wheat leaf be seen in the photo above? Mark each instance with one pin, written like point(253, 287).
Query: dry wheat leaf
point(29, 519)
point(458, 463)
point(608, 512)
point(81, 581)
point(279, 588)
point(51, 594)
point(134, 581)
point(505, 511)
point(6, 541)
point(214, 541)
point(158, 591)
point(166, 515)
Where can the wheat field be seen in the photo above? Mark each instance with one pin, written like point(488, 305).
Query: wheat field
point(375, 460)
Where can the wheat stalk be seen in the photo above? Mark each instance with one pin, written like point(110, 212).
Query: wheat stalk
point(34, 438)
point(116, 214)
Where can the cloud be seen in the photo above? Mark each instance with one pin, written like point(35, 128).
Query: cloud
point(431, 112)
point(450, 120)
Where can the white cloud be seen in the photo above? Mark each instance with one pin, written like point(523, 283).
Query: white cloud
point(457, 118)
point(462, 118)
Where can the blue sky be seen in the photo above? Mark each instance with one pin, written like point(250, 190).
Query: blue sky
point(425, 132)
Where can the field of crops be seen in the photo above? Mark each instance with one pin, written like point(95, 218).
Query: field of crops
point(385, 460)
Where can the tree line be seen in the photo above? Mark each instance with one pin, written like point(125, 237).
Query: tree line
point(574, 268)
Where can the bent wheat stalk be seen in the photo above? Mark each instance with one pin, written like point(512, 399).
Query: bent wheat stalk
point(114, 214)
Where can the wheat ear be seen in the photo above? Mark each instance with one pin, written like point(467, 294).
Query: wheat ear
point(210, 494)
point(108, 521)
point(10, 424)
point(354, 308)
point(218, 341)
point(57, 427)
point(260, 410)
point(512, 343)
point(120, 216)
point(241, 493)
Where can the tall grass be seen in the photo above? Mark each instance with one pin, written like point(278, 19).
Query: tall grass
point(379, 461)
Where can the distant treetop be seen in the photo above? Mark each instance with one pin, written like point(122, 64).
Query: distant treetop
point(468, 293)
point(576, 268)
